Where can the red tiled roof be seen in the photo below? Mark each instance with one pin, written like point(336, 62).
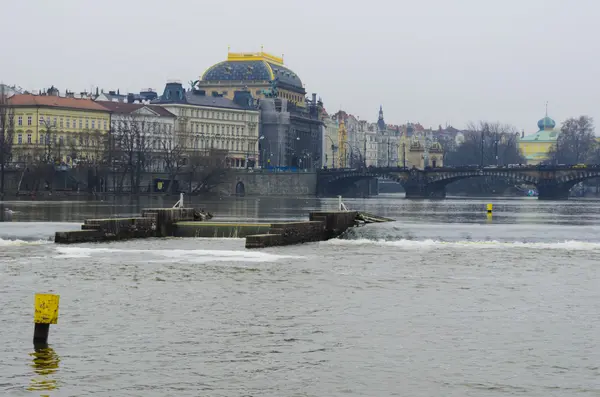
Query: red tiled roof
point(126, 108)
point(55, 101)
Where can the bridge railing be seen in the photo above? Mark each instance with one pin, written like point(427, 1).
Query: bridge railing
point(513, 167)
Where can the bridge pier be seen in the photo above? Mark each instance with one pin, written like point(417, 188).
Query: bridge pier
point(421, 191)
point(553, 192)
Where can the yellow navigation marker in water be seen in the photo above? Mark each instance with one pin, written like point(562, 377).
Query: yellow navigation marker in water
point(489, 208)
point(45, 313)
point(46, 309)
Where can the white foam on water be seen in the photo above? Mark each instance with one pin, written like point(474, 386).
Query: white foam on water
point(193, 256)
point(13, 242)
point(571, 245)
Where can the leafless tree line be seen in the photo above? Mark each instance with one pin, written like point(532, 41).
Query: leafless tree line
point(114, 161)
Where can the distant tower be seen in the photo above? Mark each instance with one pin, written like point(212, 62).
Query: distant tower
point(380, 121)
point(342, 143)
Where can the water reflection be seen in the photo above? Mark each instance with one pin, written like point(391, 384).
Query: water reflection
point(45, 365)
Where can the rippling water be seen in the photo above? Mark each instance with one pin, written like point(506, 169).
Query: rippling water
point(443, 302)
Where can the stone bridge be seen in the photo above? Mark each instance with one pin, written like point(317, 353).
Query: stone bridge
point(552, 182)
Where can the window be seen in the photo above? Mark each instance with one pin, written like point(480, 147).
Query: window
point(61, 122)
point(242, 130)
point(20, 122)
point(20, 139)
point(55, 123)
point(237, 132)
point(29, 120)
point(29, 138)
point(87, 124)
point(93, 124)
point(61, 140)
point(105, 125)
point(80, 124)
point(227, 130)
point(202, 128)
point(68, 123)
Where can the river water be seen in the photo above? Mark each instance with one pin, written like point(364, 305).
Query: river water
point(443, 302)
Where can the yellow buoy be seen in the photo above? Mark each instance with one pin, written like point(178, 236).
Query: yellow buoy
point(489, 208)
point(46, 309)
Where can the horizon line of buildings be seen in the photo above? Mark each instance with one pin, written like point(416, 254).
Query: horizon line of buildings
point(251, 106)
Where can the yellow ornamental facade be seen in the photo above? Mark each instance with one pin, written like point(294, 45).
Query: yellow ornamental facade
point(58, 129)
point(536, 147)
point(343, 159)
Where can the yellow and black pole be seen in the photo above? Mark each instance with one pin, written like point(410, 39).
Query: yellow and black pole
point(489, 208)
point(45, 313)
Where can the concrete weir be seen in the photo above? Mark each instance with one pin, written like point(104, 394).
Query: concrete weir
point(188, 222)
point(321, 226)
point(154, 222)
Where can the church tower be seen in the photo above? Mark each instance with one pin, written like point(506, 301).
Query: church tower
point(380, 121)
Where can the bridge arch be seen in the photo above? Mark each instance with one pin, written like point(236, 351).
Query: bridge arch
point(551, 182)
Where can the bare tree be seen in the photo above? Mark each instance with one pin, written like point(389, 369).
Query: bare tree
point(133, 149)
point(48, 139)
point(484, 144)
point(172, 154)
point(576, 142)
point(208, 169)
point(7, 132)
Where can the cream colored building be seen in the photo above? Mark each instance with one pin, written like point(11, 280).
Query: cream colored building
point(206, 122)
point(330, 142)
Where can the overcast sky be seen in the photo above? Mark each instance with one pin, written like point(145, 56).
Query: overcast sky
point(431, 61)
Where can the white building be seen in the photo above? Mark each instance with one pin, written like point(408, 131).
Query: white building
point(372, 146)
point(153, 123)
point(330, 142)
point(214, 122)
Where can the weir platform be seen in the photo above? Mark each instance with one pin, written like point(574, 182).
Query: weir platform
point(189, 222)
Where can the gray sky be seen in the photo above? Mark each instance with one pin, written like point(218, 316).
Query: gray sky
point(432, 61)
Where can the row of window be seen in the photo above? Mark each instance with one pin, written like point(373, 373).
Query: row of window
point(47, 139)
point(142, 126)
point(61, 122)
point(221, 144)
point(211, 114)
point(214, 129)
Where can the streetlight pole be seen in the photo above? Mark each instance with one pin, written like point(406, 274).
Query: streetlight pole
point(481, 163)
point(404, 154)
point(496, 143)
point(332, 152)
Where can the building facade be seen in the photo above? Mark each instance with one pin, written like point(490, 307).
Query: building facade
point(58, 129)
point(153, 124)
point(205, 122)
point(264, 75)
point(290, 128)
point(535, 147)
point(330, 130)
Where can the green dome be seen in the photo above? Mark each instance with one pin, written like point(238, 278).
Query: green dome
point(546, 124)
